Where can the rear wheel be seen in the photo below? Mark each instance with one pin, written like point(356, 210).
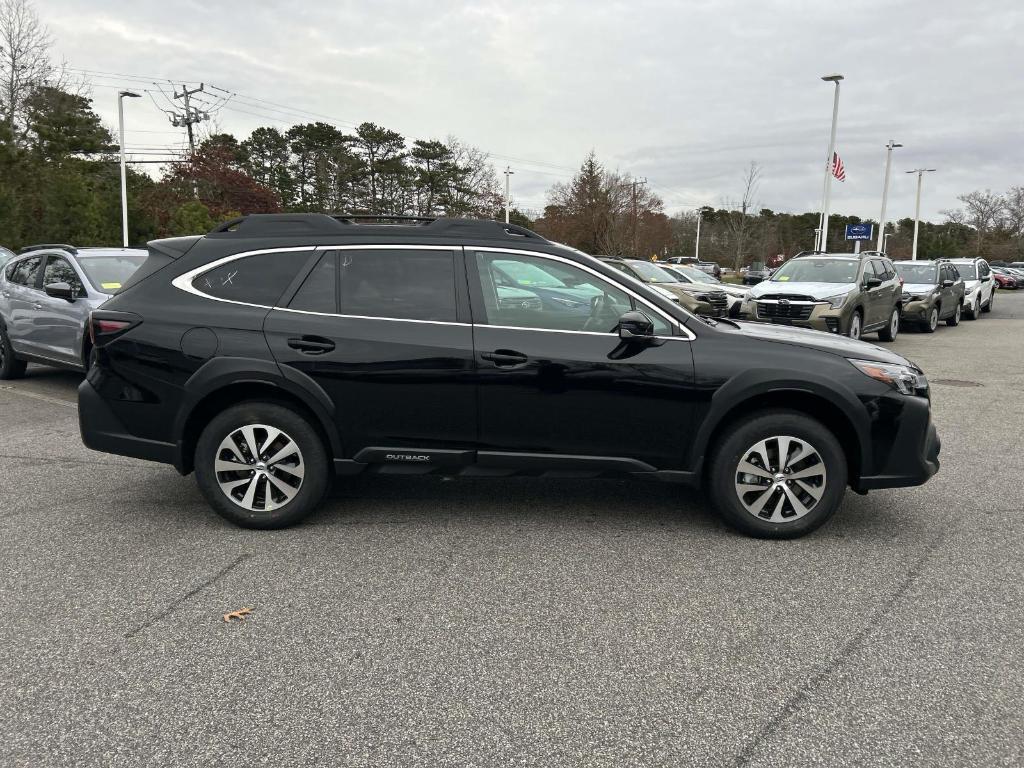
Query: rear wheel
point(954, 320)
point(10, 366)
point(778, 475)
point(261, 465)
point(932, 322)
point(890, 332)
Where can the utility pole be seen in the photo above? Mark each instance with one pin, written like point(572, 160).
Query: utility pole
point(190, 116)
point(823, 237)
point(885, 193)
point(636, 216)
point(917, 209)
point(508, 199)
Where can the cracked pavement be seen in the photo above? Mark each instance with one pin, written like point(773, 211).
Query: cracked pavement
point(421, 621)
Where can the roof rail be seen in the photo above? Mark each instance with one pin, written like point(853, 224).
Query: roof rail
point(49, 246)
point(285, 224)
point(810, 253)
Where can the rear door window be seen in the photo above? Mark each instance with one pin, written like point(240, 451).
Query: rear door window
point(259, 279)
point(397, 283)
point(26, 271)
point(319, 291)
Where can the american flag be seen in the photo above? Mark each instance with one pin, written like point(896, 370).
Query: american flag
point(838, 169)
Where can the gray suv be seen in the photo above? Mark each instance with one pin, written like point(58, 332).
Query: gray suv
point(46, 295)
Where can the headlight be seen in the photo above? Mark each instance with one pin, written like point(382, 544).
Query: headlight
point(902, 378)
point(667, 294)
point(837, 301)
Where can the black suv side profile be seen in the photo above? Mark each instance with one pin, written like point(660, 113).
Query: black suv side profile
point(280, 351)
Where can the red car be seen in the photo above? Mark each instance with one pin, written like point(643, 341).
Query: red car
point(1004, 280)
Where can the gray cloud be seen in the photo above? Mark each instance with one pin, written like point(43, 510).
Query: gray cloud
point(684, 93)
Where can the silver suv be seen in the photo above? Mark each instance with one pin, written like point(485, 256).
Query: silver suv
point(46, 295)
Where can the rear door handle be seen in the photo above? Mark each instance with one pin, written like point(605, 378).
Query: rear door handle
point(37, 305)
point(505, 358)
point(311, 345)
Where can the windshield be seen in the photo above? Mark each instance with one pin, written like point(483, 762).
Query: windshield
point(917, 273)
point(817, 271)
point(528, 275)
point(651, 273)
point(108, 272)
point(695, 274)
point(967, 271)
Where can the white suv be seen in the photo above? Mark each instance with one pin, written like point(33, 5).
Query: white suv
point(979, 286)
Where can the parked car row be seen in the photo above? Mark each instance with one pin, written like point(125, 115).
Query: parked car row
point(855, 294)
point(1009, 277)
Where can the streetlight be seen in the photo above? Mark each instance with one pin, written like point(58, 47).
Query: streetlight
point(508, 199)
point(885, 192)
point(124, 183)
point(885, 241)
point(696, 245)
point(828, 163)
point(917, 209)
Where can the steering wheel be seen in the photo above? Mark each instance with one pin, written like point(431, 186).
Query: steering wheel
point(602, 310)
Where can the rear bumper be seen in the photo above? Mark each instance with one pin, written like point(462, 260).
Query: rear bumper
point(913, 456)
point(103, 431)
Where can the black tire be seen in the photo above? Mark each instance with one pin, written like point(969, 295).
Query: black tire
point(954, 320)
point(734, 445)
point(10, 366)
point(971, 314)
point(313, 456)
point(929, 325)
point(991, 300)
point(891, 331)
point(856, 321)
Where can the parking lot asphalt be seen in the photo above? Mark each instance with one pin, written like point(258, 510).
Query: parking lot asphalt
point(517, 622)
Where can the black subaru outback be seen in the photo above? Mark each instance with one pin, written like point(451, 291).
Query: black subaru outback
point(281, 350)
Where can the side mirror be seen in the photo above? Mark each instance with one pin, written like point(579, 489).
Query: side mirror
point(60, 291)
point(873, 282)
point(635, 325)
point(948, 283)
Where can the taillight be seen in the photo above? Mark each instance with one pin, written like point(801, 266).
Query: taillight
point(105, 326)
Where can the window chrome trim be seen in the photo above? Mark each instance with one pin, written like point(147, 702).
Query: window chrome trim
point(673, 323)
point(183, 282)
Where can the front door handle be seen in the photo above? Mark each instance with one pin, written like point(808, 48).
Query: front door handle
point(505, 358)
point(37, 305)
point(311, 345)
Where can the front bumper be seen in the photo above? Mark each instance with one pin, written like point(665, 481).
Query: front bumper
point(916, 311)
point(905, 449)
point(822, 317)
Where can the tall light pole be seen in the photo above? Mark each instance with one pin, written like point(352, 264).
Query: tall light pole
point(124, 181)
point(823, 238)
point(917, 208)
point(696, 245)
point(885, 242)
point(885, 192)
point(508, 199)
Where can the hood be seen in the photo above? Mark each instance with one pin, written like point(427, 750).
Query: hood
point(826, 342)
point(815, 290)
point(916, 289)
point(970, 285)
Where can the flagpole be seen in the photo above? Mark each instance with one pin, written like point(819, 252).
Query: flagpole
point(826, 194)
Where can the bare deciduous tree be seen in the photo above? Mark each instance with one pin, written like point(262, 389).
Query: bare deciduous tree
point(738, 224)
point(24, 59)
point(1013, 207)
point(984, 211)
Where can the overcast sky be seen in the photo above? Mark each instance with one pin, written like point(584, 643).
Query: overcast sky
point(685, 94)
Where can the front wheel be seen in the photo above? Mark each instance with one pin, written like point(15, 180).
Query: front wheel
point(777, 475)
point(972, 312)
point(991, 300)
point(261, 465)
point(954, 321)
point(929, 325)
point(889, 333)
point(855, 325)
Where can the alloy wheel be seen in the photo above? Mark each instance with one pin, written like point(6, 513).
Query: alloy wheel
point(780, 479)
point(933, 318)
point(894, 324)
point(259, 467)
point(855, 326)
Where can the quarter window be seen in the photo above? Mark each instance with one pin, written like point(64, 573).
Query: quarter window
point(59, 271)
point(258, 279)
point(532, 292)
point(399, 283)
